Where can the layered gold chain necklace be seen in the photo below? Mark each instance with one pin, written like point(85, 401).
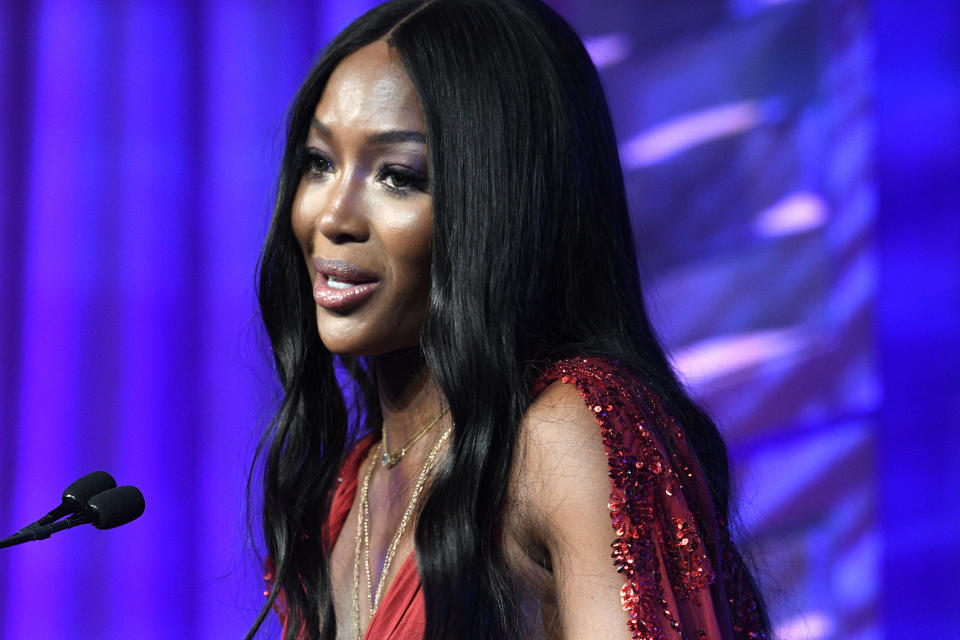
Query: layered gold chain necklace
point(388, 459)
point(362, 551)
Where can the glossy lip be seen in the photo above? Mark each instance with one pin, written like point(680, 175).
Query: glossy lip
point(363, 282)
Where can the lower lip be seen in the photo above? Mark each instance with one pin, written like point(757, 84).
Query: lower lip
point(341, 299)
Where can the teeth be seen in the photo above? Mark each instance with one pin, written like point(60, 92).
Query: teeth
point(338, 284)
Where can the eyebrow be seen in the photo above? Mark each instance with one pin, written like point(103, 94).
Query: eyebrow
point(381, 138)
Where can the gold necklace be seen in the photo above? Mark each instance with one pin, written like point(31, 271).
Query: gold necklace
point(363, 532)
point(389, 460)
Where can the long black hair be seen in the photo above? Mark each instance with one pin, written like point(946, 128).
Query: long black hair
point(532, 261)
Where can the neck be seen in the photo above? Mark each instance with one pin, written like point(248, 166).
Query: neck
point(409, 397)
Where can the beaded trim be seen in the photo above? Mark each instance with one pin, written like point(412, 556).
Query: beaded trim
point(638, 472)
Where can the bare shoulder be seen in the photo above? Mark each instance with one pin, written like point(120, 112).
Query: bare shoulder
point(562, 463)
point(564, 483)
point(559, 420)
point(609, 488)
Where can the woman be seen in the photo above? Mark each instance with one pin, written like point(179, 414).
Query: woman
point(475, 410)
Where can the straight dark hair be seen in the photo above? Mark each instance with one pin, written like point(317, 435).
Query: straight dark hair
point(532, 261)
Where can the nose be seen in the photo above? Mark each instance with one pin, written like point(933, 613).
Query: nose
point(342, 218)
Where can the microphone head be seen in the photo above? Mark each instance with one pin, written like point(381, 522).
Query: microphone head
point(82, 489)
point(114, 507)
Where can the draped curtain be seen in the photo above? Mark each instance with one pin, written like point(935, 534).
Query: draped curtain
point(140, 143)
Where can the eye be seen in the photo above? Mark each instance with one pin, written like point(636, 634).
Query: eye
point(401, 180)
point(311, 162)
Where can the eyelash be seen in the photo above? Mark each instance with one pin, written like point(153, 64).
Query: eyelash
point(308, 160)
point(313, 163)
point(410, 179)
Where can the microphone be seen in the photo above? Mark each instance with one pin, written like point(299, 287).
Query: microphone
point(113, 507)
point(106, 510)
point(75, 497)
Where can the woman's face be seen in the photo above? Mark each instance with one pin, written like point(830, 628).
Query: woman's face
point(362, 212)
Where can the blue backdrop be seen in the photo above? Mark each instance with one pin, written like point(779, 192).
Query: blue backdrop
point(793, 172)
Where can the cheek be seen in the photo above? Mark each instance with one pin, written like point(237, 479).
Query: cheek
point(417, 266)
point(301, 222)
point(411, 236)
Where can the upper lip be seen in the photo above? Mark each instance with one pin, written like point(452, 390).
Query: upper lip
point(342, 270)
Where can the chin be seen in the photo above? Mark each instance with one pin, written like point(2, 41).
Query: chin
point(359, 339)
point(347, 347)
point(355, 347)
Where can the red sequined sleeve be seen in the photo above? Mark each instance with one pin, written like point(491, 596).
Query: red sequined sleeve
point(666, 539)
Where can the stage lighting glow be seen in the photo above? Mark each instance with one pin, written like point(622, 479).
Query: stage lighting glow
point(723, 355)
point(609, 49)
point(689, 130)
point(808, 626)
point(797, 212)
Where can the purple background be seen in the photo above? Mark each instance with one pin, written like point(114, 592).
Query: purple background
point(793, 168)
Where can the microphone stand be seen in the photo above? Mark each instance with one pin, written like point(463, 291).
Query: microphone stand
point(42, 532)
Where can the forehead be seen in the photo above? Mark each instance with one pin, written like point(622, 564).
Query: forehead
point(370, 89)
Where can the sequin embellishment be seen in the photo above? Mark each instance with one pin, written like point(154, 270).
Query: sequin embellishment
point(644, 478)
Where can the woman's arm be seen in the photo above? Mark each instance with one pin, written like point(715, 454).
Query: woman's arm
point(628, 559)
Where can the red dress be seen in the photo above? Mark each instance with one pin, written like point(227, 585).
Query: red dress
point(681, 578)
